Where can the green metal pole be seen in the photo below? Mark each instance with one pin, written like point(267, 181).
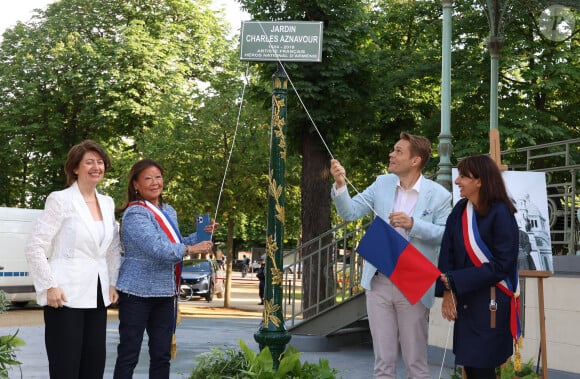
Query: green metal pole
point(494, 45)
point(495, 11)
point(445, 145)
point(272, 333)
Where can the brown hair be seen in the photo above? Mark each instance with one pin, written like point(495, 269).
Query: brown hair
point(493, 188)
point(75, 155)
point(420, 147)
point(134, 173)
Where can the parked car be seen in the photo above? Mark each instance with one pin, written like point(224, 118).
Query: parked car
point(237, 265)
point(201, 278)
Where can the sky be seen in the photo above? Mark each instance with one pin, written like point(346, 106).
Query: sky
point(12, 11)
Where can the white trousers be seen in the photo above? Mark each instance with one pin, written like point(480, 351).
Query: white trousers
point(394, 321)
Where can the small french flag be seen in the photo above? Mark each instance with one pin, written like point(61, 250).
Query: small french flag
point(397, 259)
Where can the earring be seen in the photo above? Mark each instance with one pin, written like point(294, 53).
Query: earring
point(136, 191)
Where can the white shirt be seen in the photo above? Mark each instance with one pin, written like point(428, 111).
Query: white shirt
point(405, 201)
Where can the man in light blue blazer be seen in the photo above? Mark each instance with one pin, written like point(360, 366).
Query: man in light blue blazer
point(418, 209)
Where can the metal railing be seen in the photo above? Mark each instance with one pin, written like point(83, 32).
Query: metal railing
point(336, 265)
point(561, 163)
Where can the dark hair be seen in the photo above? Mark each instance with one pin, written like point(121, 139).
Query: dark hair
point(493, 188)
point(75, 156)
point(134, 173)
point(420, 147)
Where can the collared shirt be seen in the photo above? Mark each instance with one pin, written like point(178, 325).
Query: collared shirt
point(405, 201)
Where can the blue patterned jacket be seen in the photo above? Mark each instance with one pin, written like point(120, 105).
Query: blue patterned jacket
point(147, 267)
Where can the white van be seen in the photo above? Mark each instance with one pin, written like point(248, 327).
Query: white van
point(15, 227)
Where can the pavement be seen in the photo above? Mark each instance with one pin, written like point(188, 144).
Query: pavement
point(205, 326)
point(195, 336)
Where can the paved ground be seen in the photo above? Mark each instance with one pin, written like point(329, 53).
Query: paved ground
point(203, 327)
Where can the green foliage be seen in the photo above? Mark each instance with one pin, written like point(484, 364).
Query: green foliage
point(4, 302)
point(8, 344)
point(507, 371)
point(457, 373)
point(245, 363)
point(161, 79)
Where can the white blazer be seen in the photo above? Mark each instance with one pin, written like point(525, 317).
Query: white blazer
point(64, 249)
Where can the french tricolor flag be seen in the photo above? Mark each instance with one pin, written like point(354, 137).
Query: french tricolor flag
point(400, 261)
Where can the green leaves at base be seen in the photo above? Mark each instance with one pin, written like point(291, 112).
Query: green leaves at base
point(234, 364)
point(8, 345)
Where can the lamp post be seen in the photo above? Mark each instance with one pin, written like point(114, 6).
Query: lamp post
point(272, 332)
point(445, 146)
point(495, 14)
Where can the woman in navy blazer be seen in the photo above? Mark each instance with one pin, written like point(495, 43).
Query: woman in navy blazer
point(74, 256)
point(478, 256)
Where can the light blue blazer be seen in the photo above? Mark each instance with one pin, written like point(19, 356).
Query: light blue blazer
point(429, 217)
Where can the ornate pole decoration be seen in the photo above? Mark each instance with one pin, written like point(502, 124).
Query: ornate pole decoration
point(256, 37)
point(272, 332)
point(445, 146)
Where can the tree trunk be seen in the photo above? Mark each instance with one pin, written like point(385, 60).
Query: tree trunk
point(315, 188)
point(229, 261)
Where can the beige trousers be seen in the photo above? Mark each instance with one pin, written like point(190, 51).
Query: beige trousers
point(395, 322)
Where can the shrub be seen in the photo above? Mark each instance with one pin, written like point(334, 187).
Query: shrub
point(245, 363)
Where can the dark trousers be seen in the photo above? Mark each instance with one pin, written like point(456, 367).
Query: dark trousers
point(479, 373)
point(75, 340)
point(261, 287)
point(137, 314)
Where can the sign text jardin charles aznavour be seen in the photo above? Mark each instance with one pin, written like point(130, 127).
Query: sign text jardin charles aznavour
point(290, 41)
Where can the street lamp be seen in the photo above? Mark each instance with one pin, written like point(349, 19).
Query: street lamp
point(445, 146)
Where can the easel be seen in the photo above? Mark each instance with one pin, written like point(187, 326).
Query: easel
point(540, 275)
point(495, 154)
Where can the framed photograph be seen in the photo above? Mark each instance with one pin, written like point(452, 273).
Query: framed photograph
point(528, 192)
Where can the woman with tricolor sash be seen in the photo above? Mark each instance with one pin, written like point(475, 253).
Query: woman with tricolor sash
point(478, 257)
point(150, 271)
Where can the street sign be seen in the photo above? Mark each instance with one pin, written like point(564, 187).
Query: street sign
point(290, 41)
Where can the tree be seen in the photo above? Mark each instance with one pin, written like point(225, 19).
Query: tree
point(105, 70)
point(380, 75)
point(333, 92)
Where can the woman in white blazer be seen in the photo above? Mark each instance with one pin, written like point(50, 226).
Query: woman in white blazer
point(74, 257)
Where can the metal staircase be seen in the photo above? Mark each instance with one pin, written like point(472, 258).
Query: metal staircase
point(338, 269)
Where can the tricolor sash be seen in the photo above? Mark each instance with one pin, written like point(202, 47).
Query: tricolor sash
point(479, 254)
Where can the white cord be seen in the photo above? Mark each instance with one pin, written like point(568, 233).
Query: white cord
point(231, 148)
point(447, 339)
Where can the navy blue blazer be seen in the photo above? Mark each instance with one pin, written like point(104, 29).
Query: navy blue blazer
point(475, 342)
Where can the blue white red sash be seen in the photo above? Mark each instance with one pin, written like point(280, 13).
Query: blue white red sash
point(479, 254)
point(170, 230)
